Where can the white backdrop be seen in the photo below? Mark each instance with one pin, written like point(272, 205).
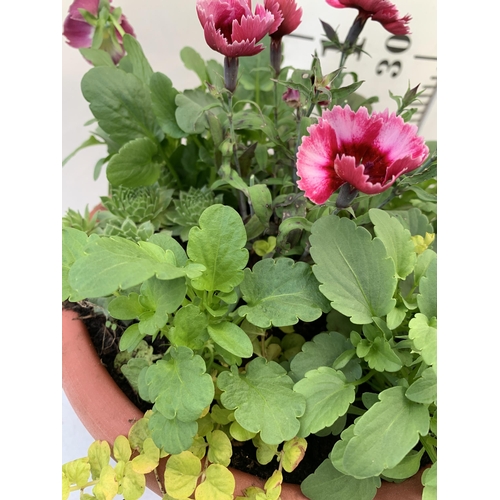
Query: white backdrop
point(164, 27)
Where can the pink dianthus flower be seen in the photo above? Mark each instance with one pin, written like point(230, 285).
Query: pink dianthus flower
point(289, 12)
point(232, 29)
point(367, 152)
point(382, 11)
point(80, 33)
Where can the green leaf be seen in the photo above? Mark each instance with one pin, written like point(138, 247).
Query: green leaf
point(261, 199)
point(379, 355)
point(263, 399)
point(190, 113)
point(121, 104)
point(97, 57)
point(385, 434)
point(427, 298)
point(173, 435)
point(73, 247)
point(397, 241)
point(181, 474)
point(281, 292)
point(413, 220)
point(113, 263)
point(125, 307)
point(231, 338)
point(193, 61)
point(163, 102)
point(328, 396)
point(358, 277)
point(219, 448)
point(423, 262)
point(141, 67)
point(162, 297)
point(179, 387)
point(91, 141)
point(65, 487)
point(324, 350)
point(424, 389)
point(219, 484)
point(326, 479)
point(423, 333)
point(218, 243)
point(189, 328)
point(429, 480)
point(408, 467)
point(134, 165)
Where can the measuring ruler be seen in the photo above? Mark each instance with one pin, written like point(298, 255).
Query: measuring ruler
point(393, 61)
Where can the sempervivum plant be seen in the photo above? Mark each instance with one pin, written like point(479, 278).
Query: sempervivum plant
point(269, 252)
point(139, 204)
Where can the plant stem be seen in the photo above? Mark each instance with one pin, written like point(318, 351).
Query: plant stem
point(429, 448)
point(241, 197)
point(77, 488)
point(364, 379)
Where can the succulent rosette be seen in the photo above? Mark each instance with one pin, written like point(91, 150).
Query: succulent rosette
point(369, 152)
point(98, 27)
point(383, 11)
point(232, 29)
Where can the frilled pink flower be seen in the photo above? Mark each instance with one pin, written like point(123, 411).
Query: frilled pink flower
point(367, 152)
point(289, 12)
point(231, 28)
point(382, 11)
point(80, 33)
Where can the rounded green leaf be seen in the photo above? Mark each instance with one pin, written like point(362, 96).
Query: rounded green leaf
point(356, 274)
point(327, 479)
point(396, 239)
point(218, 244)
point(328, 396)
point(107, 487)
point(77, 471)
point(133, 483)
point(231, 338)
point(281, 292)
point(263, 399)
point(385, 434)
point(293, 453)
point(148, 459)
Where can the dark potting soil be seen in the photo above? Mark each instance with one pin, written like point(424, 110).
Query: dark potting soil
point(106, 342)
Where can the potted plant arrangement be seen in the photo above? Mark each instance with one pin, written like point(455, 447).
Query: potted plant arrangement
point(266, 263)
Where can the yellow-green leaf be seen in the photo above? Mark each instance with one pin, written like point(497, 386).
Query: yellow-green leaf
point(220, 449)
point(138, 433)
point(273, 485)
point(239, 433)
point(121, 449)
point(293, 453)
point(133, 483)
point(181, 474)
point(65, 486)
point(219, 484)
point(99, 454)
point(77, 471)
point(107, 487)
point(199, 447)
point(148, 459)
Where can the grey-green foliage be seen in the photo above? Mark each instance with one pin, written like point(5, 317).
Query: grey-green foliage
point(141, 204)
point(76, 220)
point(187, 209)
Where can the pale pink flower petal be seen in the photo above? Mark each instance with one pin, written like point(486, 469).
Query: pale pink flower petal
point(368, 152)
point(383, 11)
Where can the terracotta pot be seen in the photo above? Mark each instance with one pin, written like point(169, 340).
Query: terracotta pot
point(106, 411)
